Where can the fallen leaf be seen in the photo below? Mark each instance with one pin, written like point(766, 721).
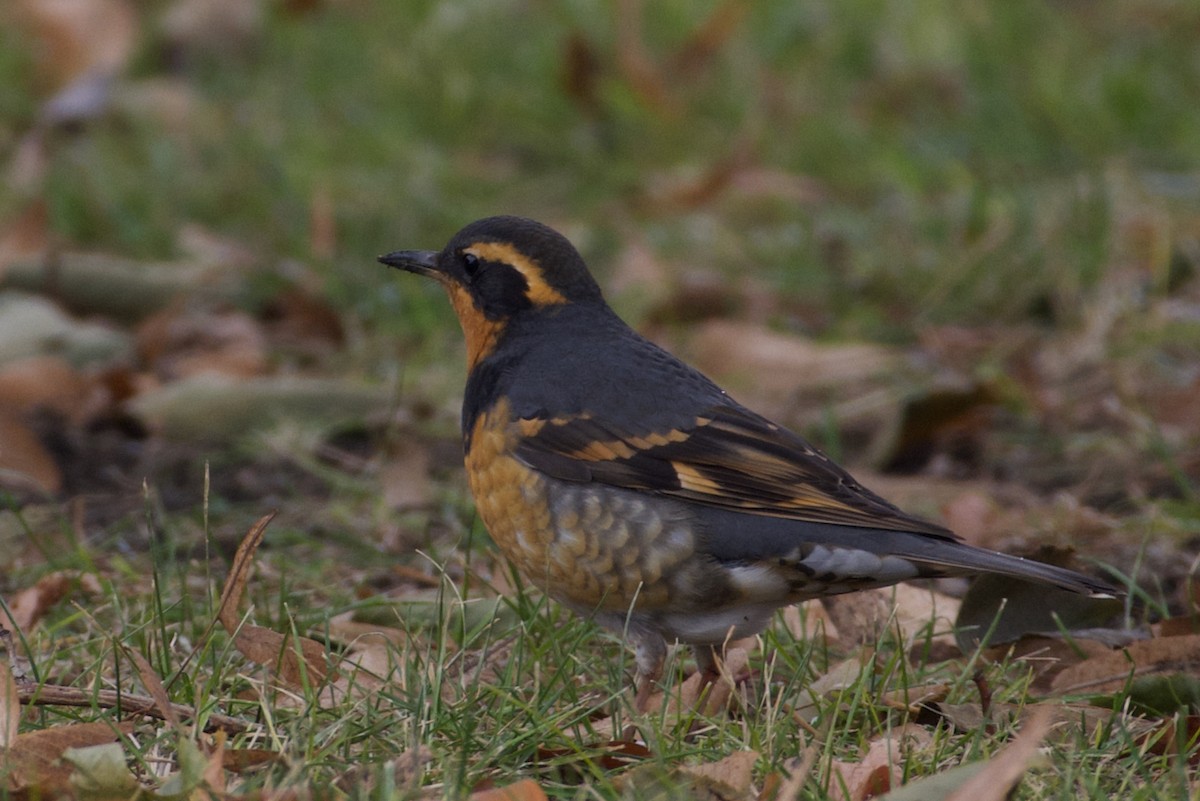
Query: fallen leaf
point(880, 767)
point(297, 661)
point(838, 677)
point(945, 419)
point(523, 790)
point(860, 617)
point(298, 320)
point(796, 772)
point(29, 605)
point(153, 684)
point(81, 37)
point(239, 574)
point(403, 771)
point(187, 339)
point(1048, 655)
point(1111, 672)
point(34, 761)
point(213, 776)
point(25, 463)
point(810, 621)
point(612, 755)
point(731, 776)
point(238, 760)
point(1002, 772)
point(48, 382)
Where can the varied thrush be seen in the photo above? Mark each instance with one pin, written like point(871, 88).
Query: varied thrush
point(629, 486)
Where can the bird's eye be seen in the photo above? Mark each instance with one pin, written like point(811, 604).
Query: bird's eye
point(470, 264)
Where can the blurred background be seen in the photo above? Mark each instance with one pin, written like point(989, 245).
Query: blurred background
point(954, 243)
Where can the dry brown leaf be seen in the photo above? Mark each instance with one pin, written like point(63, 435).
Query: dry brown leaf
point(25, 463)
point(924, 618)
point(838, 677)
point(1048, 656)
point(29, 605)
point(33, 761)
point(153, 684)
point(1002, 772)
point(49, 382)
point(300, 320)
point(523, 790)
point(213, 778)
point(682, 193)
point(10, 708)
point(786, 786)
point(612, 755)
point(810, 621)
point(880, 768)
point(237, 760)
point(912, 699)
point(1109, 672)
point(731, 776)
point(860, 617)
point(185, 339)
point(81, 37)
point(344, 629)
point(239, 574)
point(943, 419)
point(1177, 626)
point(296, 661)
point(754, 182)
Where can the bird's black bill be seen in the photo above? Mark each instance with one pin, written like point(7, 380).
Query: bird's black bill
point(422, 262)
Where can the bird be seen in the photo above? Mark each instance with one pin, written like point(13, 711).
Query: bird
point(630, 487)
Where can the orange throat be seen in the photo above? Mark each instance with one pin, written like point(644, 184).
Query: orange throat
point(481, 333)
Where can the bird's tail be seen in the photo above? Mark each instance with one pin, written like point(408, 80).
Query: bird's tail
point(950, 558)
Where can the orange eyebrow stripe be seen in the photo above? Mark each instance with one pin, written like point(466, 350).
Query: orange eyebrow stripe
point(540, 292)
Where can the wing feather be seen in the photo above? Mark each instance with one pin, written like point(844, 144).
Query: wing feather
point(726, 457)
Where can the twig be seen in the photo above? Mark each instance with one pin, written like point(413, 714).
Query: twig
point(57, 695)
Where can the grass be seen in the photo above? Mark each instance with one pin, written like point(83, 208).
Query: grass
point(948, 164)
point(533, 714)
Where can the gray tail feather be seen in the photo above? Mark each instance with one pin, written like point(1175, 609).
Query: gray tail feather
point(957, 558)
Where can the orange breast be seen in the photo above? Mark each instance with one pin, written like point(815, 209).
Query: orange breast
point(592, 546)
point(511, 500)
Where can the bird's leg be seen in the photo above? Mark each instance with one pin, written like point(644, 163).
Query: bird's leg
point(650, 654)
point(706, 665)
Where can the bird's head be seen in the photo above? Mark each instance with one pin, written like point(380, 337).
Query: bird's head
point(498, 268)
